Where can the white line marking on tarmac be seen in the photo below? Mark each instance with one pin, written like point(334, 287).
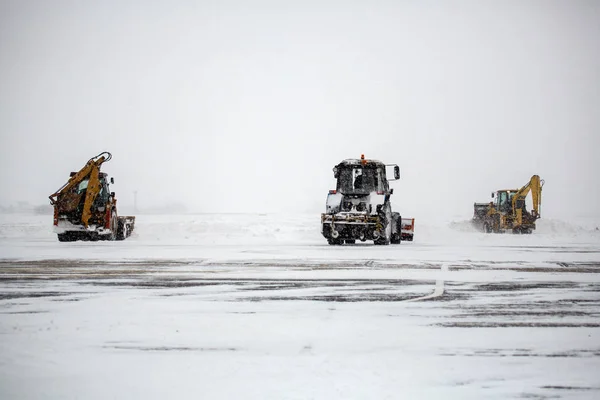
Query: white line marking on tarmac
point(439, 287)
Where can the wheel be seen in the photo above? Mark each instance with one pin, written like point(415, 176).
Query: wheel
point(386, 221)
point(497, 226)
point(396, 229)
point(487, 228)
point(66, 237)
point(350, 241)
point(114, 226)
point(121, 230)
point(334, 242)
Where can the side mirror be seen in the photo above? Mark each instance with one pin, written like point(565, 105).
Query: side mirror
point(492, 195)
point(112, 180)
point(396, 172)
point(392, 191)
point(112, 194)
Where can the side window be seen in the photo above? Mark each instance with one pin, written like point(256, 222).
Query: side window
point(103, 193)
point(82, 185)
point(503, 200)
point(105, 190)
point(382, 183)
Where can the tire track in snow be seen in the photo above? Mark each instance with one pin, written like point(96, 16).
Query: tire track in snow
point(437, 292)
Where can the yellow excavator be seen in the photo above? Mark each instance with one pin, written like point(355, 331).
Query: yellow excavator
point(86, 209)
point(509, 212)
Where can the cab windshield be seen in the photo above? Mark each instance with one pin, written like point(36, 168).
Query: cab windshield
point(361, 181)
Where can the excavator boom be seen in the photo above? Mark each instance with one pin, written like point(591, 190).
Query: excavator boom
point(535, 187)
point(536, 194)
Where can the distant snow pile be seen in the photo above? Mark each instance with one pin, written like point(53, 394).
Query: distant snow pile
point(545, 226)
point(33, 227)
point(463, 226)
point(559, 227)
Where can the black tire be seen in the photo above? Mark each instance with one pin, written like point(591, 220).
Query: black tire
point(497, 227)
point(487, 228)
point(114, 226)
point(121, 230)
point(386, 219)
point(350, 241)
point(396, 229)
point(334, 242)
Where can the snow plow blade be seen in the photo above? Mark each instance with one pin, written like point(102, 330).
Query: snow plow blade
point(407, 229)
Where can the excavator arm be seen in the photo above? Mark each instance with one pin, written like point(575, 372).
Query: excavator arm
point(535, 187)
point(67, 200)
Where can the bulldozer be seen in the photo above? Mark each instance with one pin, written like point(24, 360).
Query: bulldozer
point(360, 208)
point(509, 212)
point(86, 209)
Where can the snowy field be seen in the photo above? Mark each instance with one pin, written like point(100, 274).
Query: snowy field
point(222, 306)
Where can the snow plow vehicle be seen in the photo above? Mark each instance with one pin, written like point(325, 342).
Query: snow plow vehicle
point(509, 211)
point(86, 209)
point(360, 208)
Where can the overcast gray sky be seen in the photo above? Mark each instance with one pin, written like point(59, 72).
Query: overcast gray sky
point(235, 106)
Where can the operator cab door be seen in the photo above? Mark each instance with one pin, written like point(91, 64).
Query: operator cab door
point(103, 195)
point(382, 183)
point(502, 202)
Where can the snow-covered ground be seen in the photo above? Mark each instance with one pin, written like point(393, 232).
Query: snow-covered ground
point(259, 306)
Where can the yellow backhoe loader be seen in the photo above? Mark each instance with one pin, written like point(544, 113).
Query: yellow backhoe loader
point(86, 209)
point(509, 212)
